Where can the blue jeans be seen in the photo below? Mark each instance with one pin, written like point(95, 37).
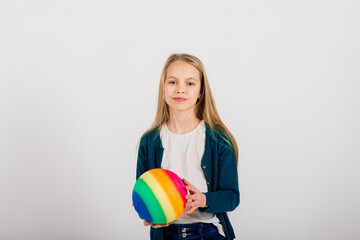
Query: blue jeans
point(194, 231)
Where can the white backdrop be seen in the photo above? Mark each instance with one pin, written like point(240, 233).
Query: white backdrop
point(78, 87)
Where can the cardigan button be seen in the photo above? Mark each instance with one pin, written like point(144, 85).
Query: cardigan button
point(207, 183)
point(204, 167)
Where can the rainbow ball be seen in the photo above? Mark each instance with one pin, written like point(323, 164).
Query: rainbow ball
point(159, 196)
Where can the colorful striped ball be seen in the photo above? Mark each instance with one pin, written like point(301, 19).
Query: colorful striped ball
point(159, 196)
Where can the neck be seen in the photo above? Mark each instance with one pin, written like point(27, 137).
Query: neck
point(182, 122)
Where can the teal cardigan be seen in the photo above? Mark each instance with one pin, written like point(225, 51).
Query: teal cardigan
point(220, 169)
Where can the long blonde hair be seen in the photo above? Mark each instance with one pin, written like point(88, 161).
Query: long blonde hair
point(205, 106)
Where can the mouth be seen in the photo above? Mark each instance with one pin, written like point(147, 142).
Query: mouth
point(179, 99)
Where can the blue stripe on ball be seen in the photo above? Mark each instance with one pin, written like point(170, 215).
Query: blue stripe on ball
point(140, 207)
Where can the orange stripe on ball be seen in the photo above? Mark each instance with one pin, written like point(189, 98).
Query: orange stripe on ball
point(171, 191)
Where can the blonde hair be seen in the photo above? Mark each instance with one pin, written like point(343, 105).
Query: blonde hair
point(205, 106)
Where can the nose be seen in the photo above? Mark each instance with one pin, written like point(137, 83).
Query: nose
point(180, 89)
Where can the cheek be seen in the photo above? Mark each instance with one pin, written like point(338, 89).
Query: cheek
point(166, 94)
point(166, 91)
point(169, 91)
point(195, 93)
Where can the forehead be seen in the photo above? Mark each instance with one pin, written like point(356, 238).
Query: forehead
point(181, 69)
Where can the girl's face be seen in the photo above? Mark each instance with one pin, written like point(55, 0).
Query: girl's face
point(182, 87)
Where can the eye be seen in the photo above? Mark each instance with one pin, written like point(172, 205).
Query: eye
point(172, 82)
point(191, 83)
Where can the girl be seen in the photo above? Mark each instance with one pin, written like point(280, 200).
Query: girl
point(189, 138)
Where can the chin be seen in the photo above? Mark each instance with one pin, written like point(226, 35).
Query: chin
point(183, 109)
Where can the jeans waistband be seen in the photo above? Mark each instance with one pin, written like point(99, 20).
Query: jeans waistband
point(188, 231)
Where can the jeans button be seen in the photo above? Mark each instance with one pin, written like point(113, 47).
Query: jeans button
point(184, 235)
point(183, 229)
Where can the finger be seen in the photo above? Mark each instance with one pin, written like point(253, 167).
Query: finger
point(159, 225)
point(187, 183)
point(147, 223)
point(193, 197)
point(192, 188)
point(193, 204)
point(193, 193)
point(191, 210)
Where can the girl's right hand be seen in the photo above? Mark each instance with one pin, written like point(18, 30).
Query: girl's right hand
point(146, 223)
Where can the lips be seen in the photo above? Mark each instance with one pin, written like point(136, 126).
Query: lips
point(179, 99)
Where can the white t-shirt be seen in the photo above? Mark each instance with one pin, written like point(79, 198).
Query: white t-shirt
point(183, 155)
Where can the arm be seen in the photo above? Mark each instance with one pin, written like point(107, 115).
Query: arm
point(227, 196)
point(142, 159)
point(142, 167)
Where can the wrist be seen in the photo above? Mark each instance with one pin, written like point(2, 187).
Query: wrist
point(203, 200)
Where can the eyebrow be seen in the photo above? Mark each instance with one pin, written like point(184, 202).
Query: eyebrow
point(185, 79)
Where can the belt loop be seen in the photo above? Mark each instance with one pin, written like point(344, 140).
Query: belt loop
point(178, 229)
point(200, 230)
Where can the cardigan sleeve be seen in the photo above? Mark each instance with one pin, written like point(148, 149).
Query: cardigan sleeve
point(142, 159)
point(227, 196)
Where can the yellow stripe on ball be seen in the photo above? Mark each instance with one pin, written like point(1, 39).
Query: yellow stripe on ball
point(161, 196)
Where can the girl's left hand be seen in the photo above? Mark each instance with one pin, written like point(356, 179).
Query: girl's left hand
point(197, 197)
